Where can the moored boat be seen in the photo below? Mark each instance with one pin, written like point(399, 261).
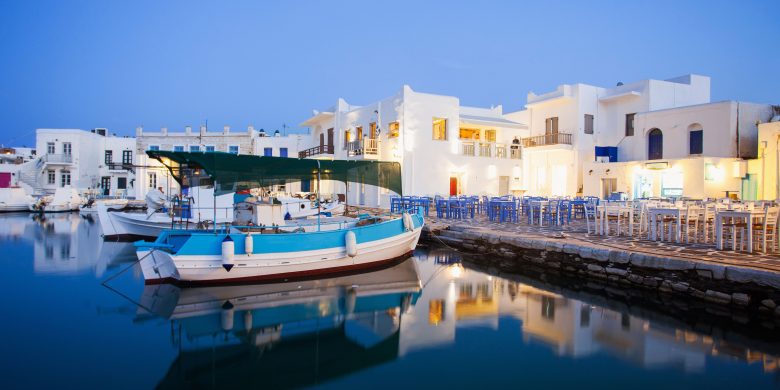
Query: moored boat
point(14, 199)
point(65, 199)
point(264, 251)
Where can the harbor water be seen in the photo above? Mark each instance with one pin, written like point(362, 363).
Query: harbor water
point(432, 321)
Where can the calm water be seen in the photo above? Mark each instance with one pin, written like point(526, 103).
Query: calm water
point(463, 328)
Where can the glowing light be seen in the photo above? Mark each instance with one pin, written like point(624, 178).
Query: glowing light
point(455, 271)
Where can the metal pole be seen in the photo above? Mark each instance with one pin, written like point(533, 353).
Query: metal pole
point(215, 207)
point(319, 205)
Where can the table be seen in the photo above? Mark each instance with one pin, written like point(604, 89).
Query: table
point(655, 212)
point(603, 228)
point(747, 215)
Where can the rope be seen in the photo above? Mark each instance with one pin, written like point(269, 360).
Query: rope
point(105, 282)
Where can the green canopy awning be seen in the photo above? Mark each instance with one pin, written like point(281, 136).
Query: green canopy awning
point(238, 172)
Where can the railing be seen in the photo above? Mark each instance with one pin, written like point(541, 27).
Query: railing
point(319, 149)
point(365, 146)
point(468, 148)
point(58, 158)
point(515, 154)
point(500, 151)
point(112, 166)
point(547, 139)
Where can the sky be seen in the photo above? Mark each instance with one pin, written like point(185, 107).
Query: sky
point(123, 64)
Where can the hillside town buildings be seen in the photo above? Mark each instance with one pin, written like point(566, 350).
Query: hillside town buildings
point(649, 138)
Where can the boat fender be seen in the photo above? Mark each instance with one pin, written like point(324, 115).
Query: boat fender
point(351, 244)
point(350, 300)
point(408, 224)
point(227, 315)
point(228, 250)
point(249, 246)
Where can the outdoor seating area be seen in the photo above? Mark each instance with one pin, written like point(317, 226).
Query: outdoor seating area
point(723, 224)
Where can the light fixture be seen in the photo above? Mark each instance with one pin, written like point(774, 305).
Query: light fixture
point(657, 165)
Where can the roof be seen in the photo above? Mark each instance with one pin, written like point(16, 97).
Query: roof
point(234, 172)
point(491, 121)
point(316, 118)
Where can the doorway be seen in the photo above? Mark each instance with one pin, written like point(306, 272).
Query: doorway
point(454, 186)
point(105, 184)
point(608, 186)
point(330, 140)
point(503, 185)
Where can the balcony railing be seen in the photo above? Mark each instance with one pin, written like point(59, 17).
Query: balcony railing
point(58, 158)
point(486, 149)
point(468, 148)
point(112, 166)
point(547, 139)
point(365, 146)
point(319, 149)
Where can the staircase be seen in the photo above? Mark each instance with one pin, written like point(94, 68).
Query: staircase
point(29, 177)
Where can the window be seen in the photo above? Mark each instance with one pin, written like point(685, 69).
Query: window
point(194, 148)
point(468, 134)
point(393, 129)
point(268, 152)
point(372, 130)
point(66, 148)
point(178, 148)
point(152, 180)
point(233, 149)
point(588, 124)
point(210, 148)
point(695, 139)
point(630, 124)
point(490, 135)
point(154, 147)
point(440, 129)
point(109, 157)
point(347, 135)
point(358, 133)
point(655, 145)
point(65, 178)
point(121, 183)
point(127, 157)
point(282, 152)
point(551, 125)
point(50, 148)
point(52, 176)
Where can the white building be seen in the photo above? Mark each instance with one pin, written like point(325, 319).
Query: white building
point(651, 136)
point(250, 141)
point(444, 148)
point(90, 161)
point(11, 161)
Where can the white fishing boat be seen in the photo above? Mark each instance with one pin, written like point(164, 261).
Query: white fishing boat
point(240, 254)
point(65, 199)
point(15, 199)
point(90, 208)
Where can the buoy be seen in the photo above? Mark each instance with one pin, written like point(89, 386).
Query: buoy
point(408, 224)
point(226, 317)
point(228, 249)
point(351, 244)
point(249, 244)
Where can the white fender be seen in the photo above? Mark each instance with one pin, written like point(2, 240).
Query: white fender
point(249, 246)
point(350, 300)
point(226, 319)
point(228, 250)
point(351, 244)
point(408, 224)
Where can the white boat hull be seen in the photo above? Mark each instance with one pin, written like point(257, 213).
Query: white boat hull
point(7, 208)
point(159, 266)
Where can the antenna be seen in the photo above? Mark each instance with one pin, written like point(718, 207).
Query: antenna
point(284, 129)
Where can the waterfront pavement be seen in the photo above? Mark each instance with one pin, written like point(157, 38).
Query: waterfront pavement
point(577, 232)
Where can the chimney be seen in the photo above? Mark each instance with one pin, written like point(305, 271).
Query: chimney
point(139, 131)
point(250, 130)
point(164, 131)
point(203, 129)
point(187, 130)
point(226, 130)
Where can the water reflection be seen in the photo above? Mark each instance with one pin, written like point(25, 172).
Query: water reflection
point(286, 334)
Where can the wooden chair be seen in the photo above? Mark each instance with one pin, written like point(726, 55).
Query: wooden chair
point(766, 231)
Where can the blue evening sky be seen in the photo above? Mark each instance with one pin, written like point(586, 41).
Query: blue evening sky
point(121, 64)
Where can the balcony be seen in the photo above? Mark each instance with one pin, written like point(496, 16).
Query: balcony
point(515, 154)
point(547, 139)
point(485, 149)
point(468, 148)
point(363, 147)
point(112, 166)
point(58, 158)
point(319, 149)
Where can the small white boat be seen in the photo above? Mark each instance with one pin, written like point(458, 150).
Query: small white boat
point(90, 208)
point(15, 199)
point(65, 199)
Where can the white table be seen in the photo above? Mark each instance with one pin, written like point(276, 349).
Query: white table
point(627, 210)
point(747, 215)
point(655, 212)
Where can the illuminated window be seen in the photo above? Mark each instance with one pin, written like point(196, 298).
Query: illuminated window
point(468, 134)
point(490, 135)
point(440, 129)
point(393, 129)
point(359, 133)
point(347, 136)
point(435, 311)
point(372, 130)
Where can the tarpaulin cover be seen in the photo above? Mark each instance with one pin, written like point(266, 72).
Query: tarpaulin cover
point(238, 172)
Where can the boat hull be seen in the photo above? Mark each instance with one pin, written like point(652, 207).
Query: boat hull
point(159, 266)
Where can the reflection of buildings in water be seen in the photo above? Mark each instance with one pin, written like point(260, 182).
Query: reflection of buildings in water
point(65, 243)
point(284, 334)
point(455, 297)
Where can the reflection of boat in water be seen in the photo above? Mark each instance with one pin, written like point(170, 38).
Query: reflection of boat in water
point(284, 334)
